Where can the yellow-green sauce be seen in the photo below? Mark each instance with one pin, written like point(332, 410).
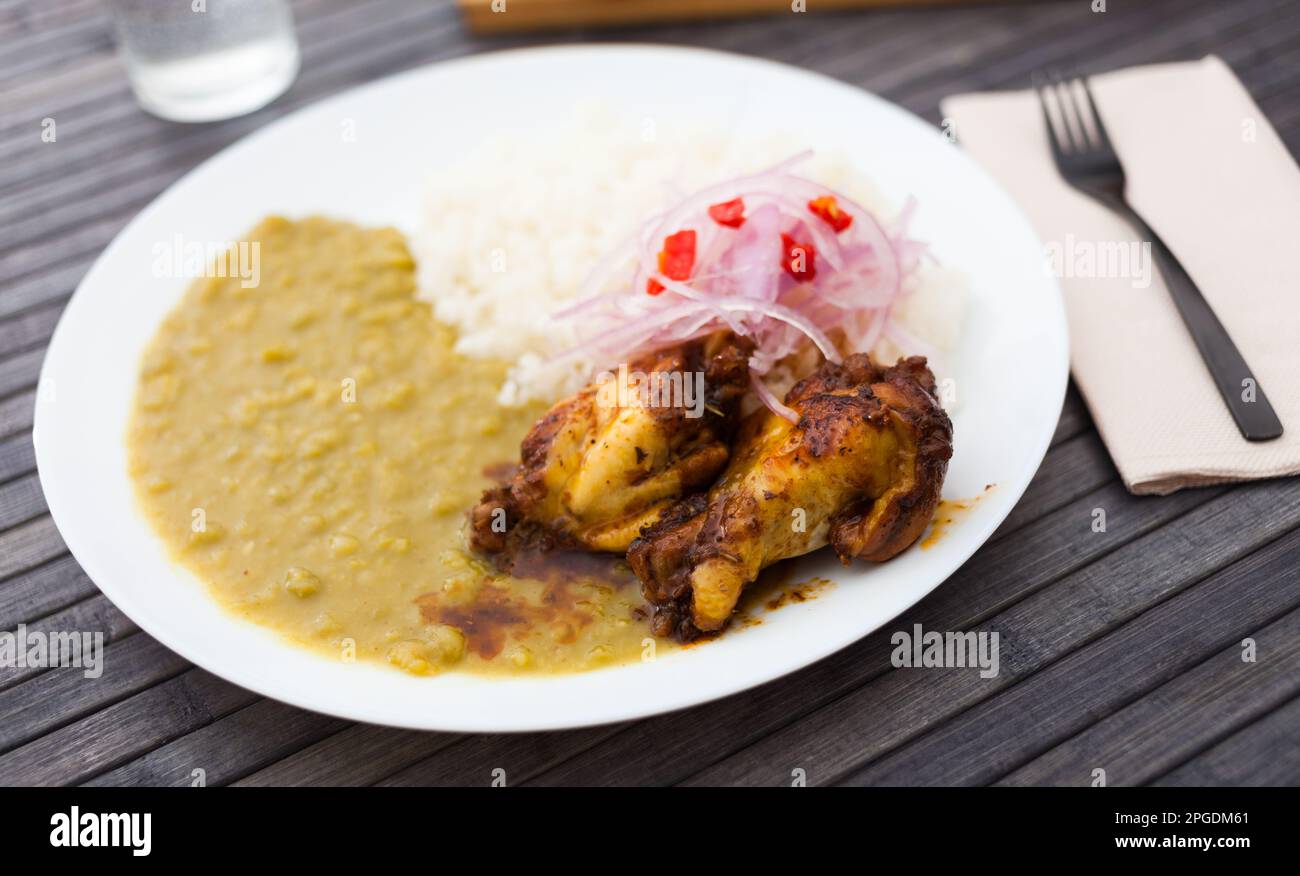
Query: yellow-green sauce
point(309, 446)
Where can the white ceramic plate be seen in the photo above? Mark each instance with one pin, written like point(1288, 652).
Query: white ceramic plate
point(1012, 364)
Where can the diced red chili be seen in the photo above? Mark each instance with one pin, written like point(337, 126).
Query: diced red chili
point(729, 213)
point(676, 259)
point(828, 209)
point(798, 259)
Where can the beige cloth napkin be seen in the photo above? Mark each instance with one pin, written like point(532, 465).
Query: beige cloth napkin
point(1211, 176)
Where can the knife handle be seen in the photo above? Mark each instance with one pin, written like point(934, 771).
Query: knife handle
point(1255, 418)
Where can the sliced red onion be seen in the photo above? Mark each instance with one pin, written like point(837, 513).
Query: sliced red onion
point(769, 398)
point(738, 281)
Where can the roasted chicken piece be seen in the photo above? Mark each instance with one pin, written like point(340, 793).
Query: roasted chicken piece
point(606, 462)
point(862, 470)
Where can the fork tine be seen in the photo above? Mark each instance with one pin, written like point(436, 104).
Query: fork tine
point(1053, 138)
point(1098, 128)
point(1070, 115)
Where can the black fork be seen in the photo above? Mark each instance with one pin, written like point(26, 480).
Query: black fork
point(1087, 161)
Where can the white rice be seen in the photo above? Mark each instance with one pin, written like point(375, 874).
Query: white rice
point(508, 235)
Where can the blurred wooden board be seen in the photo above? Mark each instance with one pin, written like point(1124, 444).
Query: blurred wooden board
point(501, 16)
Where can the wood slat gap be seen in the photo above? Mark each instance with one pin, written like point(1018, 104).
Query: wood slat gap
point(1249, 756)
point(946, 747)
point(1286, 629)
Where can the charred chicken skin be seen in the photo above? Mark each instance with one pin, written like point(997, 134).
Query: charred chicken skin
point(608, 461)
point(862, 470)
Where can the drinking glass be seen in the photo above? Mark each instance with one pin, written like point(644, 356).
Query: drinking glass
point(202, 60)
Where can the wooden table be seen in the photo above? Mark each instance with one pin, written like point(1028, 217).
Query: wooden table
point(1120, 650)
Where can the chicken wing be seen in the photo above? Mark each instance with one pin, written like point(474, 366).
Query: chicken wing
point(608, 461)
point(862, 470)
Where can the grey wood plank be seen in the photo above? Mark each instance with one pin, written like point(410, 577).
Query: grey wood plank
point(1265, 753)
point(17, 456)
point(998, 32)
point(1181, 718)
point(1288, 132)
point(47, 212)
point(93, 78)
point(16, 414)
point(890, 34)
point(1035, 632)
point(479, 760)
point(28, 545)
point(42, 590)
point(54, 95)
point(1055, 545)
point(34, 53)
point(1083, 37)
point(28, 329)
point(1093, 47)
point(20, 371)
point(52, 280)
point(95, 614)
point(41, 272)
point(65, 202)
point(913, 40)
point(1075, 419)
point(21, 500)
point(228, 748)
point(39, 29)
point(1071, 469)
point(1012, 727)
point(1264, 57)
point(1286, 117)
point(1268, 70)
point(668, 748)
point(20, 19)
point(57, 696)
point(358, 755)
point(122, 731)
point(41, 21)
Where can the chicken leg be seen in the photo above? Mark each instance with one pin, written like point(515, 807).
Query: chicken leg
point(608, 461)
point(862, 470)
